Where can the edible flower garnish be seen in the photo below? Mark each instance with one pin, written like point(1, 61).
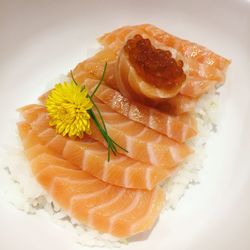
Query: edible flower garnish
point(68, 106)
point(70, 109)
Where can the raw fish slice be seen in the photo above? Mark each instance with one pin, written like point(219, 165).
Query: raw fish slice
point(91, 156)
point(143, 144)
point(93, 68)
point(179, 128)
point(187, 49)
point(119, 211)
point(204, 68)
point(133, 86)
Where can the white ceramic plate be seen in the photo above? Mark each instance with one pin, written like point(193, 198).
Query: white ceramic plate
point(42, 39)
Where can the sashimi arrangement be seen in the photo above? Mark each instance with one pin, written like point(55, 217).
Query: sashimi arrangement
point(103, 143)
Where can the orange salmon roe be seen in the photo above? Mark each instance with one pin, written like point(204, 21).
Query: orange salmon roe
point(154, 66)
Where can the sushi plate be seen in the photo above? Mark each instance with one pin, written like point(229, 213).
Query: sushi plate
point(43, 39)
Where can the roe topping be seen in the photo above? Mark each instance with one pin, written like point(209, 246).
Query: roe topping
point(155, 66)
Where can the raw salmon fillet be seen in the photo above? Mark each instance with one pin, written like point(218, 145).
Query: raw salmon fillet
point(93, 68)
point(179, 128)
point(142, 143)
point(205, 68)
point(119, 211)
point(91, 156)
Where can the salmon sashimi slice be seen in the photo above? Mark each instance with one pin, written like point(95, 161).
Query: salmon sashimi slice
point(119, 211)
point(93, 68)
point(133, 86)
point(91, 156)
point(179, 128)
point(142, 143)
point(204, 68)
point(185, 48)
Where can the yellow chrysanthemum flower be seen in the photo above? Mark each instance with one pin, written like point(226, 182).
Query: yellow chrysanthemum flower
point(68, 106)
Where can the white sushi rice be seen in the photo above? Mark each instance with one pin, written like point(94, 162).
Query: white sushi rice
point(22, 190)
